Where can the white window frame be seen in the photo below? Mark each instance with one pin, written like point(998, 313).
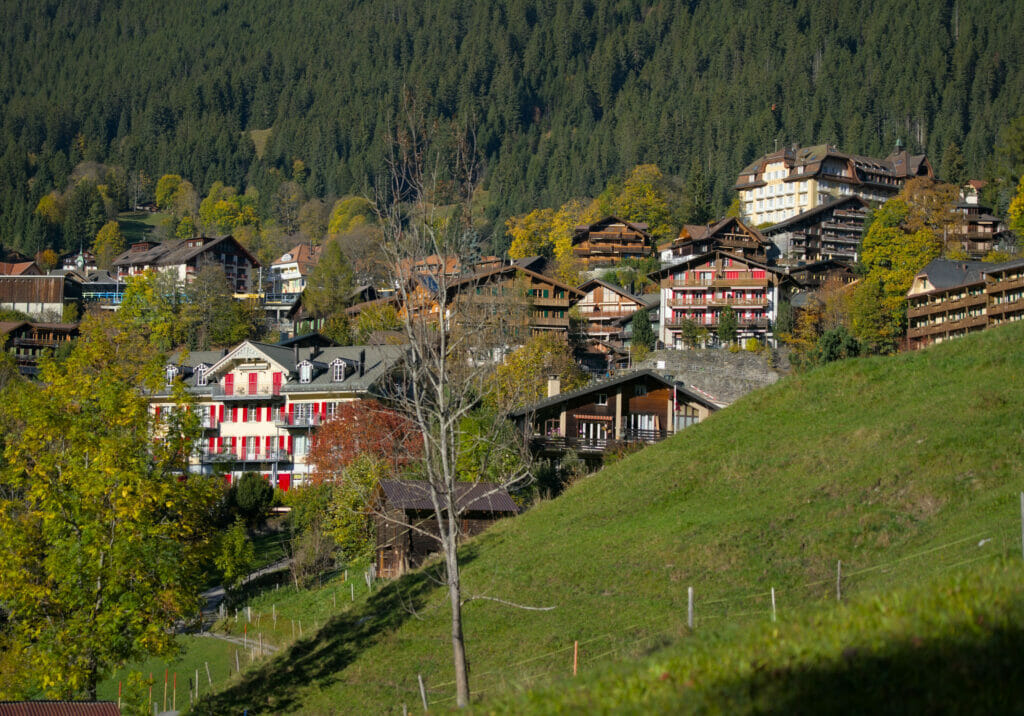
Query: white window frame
point(201, 375)
point(305, 369)
point(338, 370)
point(602, 399)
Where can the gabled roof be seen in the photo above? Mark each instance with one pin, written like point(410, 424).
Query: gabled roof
point(604, 385)
point(174, 253)
point(20, 268)
point(588, 286)
point(581, 229)
point(944, 274)
point(303, 255)
point(812, 213)
point(700, 258)
point(469, 496)
point(11, 326)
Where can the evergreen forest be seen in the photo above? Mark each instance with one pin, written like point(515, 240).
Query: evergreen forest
point(560, 96)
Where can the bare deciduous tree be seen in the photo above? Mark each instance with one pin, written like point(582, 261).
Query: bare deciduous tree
point(457, 322)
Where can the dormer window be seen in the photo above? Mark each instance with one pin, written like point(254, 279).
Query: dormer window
point(172, 372)
point(339, 370)
point(305, 372)
point(201, 374)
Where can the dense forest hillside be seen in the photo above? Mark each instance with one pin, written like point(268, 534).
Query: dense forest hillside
point(562, 95)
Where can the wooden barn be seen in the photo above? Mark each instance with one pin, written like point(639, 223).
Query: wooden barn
point(406, 526)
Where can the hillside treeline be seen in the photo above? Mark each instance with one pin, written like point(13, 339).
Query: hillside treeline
point(561, 96)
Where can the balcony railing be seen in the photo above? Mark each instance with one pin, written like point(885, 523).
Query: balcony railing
point(226, 454)
point(297, 421)
point(245, 392)
point(558, 443)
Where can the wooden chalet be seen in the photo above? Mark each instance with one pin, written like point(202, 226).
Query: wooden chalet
point(405, 523)
point(949, 299)
point(27, 342)
point(829, 231)
point(604, 305)
point(608, 241)
point(729, 234)
point(638, 407)
point(810, 277)
point(185, 257)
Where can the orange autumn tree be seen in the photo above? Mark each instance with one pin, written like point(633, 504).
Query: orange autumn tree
point(363, 427)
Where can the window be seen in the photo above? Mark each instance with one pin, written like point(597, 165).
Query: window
point(602, 399)
point(338, 371)
point(305, 372)
point(201, 375)
point(640, 389)
point(172, 371)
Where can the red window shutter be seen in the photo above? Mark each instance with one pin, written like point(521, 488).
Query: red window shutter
point(245, 414)
point(221, 419)
point(234, 443)
point(227, 477)
point(277, 383)
point(220, 444)
point(291, 412)
point(243, 444)
point(270, 418)
point(280, 442)
point(212, 446)
point(267, 443)
point(253, 377)
point(323, 410)
point(284, 481)
point(289, 444)
point(234, 413)
point(758, 273)
point(229, 384)
point(156, 412)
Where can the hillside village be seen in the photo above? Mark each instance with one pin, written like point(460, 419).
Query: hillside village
point(480, 418)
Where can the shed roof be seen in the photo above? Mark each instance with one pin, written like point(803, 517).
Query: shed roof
point(469, 496)
point(59, 708)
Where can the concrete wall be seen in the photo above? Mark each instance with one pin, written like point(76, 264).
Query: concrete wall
point(725, 376)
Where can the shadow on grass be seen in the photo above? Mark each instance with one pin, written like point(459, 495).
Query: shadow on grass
point(978, 673)
point(277, 685)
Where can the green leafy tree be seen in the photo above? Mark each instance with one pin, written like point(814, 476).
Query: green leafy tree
point(645, 195)
point(728, 325)
point(330, 285)
point(149, 308)
point(102, 537)
point(523, 377)
point(381, 317)
point(108, 244)
point(236, 555)
point(837, 344)
point(1015, 214)
point(643, 334)
point(348, 520)
point(253, 496)
point(186, 228)
point(167, 188)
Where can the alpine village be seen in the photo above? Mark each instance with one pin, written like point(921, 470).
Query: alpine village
point(512, 357)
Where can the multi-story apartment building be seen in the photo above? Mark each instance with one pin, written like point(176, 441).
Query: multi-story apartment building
point(978, 230)
point(184, 259)
point(700, 288)
point(603, 307)
point(791, 181)
point(830, 231)
point(729, 234)
point(608, 241)
point(260, 404)
point(948, 299)
point(28, 342)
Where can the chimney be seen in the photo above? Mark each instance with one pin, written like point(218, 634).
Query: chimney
point(295, 353)
point(554, 385)
point(362, 362)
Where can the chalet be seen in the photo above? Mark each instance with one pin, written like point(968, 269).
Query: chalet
point(288, 274)
point(638, 407)
point(603, 305)
point(41, 297)
point(811, 277)
point(27, 342)
point(20, 268)
point(82, 261)
point(698, 289)
point(405, 523)
point(796, 179)
point(829, 231)
point(948, 299)
point(259, 403)
point(184, 258)
point(729, 234)
point(978, 231)
point(608, 241)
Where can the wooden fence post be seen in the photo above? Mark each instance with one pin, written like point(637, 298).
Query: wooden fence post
point(689, 607)
point(839, 577)
point(423, 692)
point(773, 604)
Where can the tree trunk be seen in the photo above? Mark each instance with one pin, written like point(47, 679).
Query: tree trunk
point(458, 644)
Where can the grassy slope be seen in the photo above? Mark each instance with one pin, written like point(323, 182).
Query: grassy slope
point(898, 466)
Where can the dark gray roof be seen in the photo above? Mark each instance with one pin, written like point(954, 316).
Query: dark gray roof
point(812, 213)
point(603, 385)
point(469, 496)
point(944, 273)
point(173, 253)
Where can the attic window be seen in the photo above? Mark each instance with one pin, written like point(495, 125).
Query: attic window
point(201, 374)
point(305, 372)
point(172, 371)
point(640, 389)
point(602, 399)
point(338, 371)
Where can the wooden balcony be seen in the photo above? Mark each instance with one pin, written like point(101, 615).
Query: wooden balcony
point(558, 444)
point(996, 287)
point(549, 322)
point(941, 306)
point(968, 323)
point(998, 310)
point(542, 303)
